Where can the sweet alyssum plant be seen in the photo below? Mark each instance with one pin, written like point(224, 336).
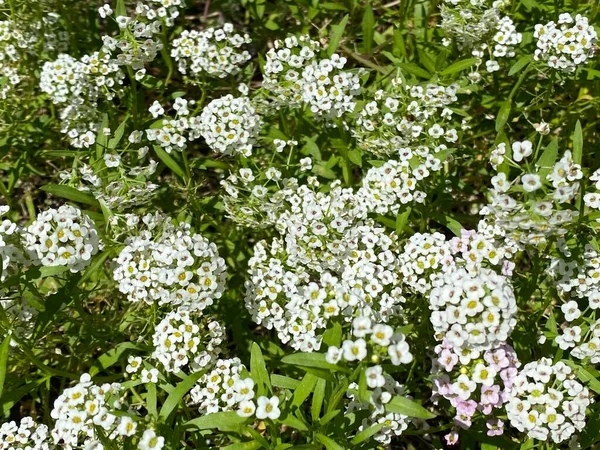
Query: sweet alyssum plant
point(315, 225)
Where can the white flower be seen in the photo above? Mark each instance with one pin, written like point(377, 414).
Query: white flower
point(571, 311)
point(375, 378)
point(354, 350)
point(267, 408)
point(112, 160)
point(150, 441)
point(156, 109)
point(149, 376)
point(521, 150)
point(105, 11)
point(305, 164)
point(531, 182)
point(246, 408)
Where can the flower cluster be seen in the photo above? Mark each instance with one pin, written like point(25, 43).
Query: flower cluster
point(62, 237)
point(230, 125)
point(10, 245)
point(393, 423)
point(295, 76)
point(216, 52)
point(172, 133)
point(27, 435)
point(474, 381)
point(412, 123)
point(225, 388)
point(86, 409)
point(546, 402)
point(169, 265)
point(566, 44)
point(473, 310)
point(525, 210)
point(180, 342)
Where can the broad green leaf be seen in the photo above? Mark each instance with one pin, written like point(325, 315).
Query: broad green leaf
point(258, 370)
point(402, 218)
point(69, 193)
point(368, 28)
point(175, 397)
point(459, 66)
point(367, 433)
point(333, 335)
point(503, 114)
point(169, 162)
point(304, 389)
point(310, 360)
point(335, 36)
point(519, 65)
point(402, 405)
point(4, 360)
point(215, 420)
point(578, 144)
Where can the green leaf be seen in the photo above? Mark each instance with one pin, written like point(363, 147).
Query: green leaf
point(111, 357)
point(215, 420)
point(355, 157)
point(281, 381)
point(310, 360)
point(335, 36)
point(294, 422)
point(250, 445)
point(367, 433)
point(414, 70)
point(317, 400)
point(118, 135)
point(4, 360)
point(578, 144)
point(169, 162)
point(503, 114)
point(178, 393)
point(402, 405)
point(519, 65)
point(368, 28)
point(401, 219)
point(587, 378)
point(69, 193)
point(304, 389)
point(333, 335)
point(258, 370)
point(548, 158)
point(151, 399)
point(329, 443)
point(459, 66)
point(120, 9)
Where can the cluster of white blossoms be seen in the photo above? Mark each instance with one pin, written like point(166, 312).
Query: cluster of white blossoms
point(547, 402)
point(424, 258)
point(82, 410)
point(216, 52)
point(409, 123)
point(473, 310)
point(77, 86)
point(62, 237)
point(474, 381)
point(171, 133)
point(393, 423)
point(170, 265)
point(566, 44)
point(592, 197)
point(296, 77)
point(182, 340)
point(27, 435)
point(385, 189)
point(524, 211)
point(225, 389)
point(10, 245)
point(480, 25)
point(120, 187)
point(378, 342)
point(230, 125)
point(329, 262)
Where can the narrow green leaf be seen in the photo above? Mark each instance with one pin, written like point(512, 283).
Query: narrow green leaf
point(258, 370)
point(151, 399)
point(503, 114)
point(309, 360)
point(548, 158)
point(317, 400)
point(169, 162)
point(69, 193)
point(120, 9)
point(367, 433)
point(215, 420)
point(402, 218)
point(111, 357)
point(4, 360)
point(414, 70)
point(284, 382)
point(459, 66)
point(519, 65)
point(329, 443)
point(294, 422)
point(578, 144)
point(333, 335)
point(178, 393)
point(304, 389)
point(118, 135)
point(368, 28)
point(402, 405)
point(335, 36)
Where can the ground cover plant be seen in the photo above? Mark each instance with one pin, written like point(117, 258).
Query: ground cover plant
point(299, 224)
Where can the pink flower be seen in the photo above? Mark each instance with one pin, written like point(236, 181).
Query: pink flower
point(490, 394)
point(451, 438)
point(448, 360)
point(495, 427)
